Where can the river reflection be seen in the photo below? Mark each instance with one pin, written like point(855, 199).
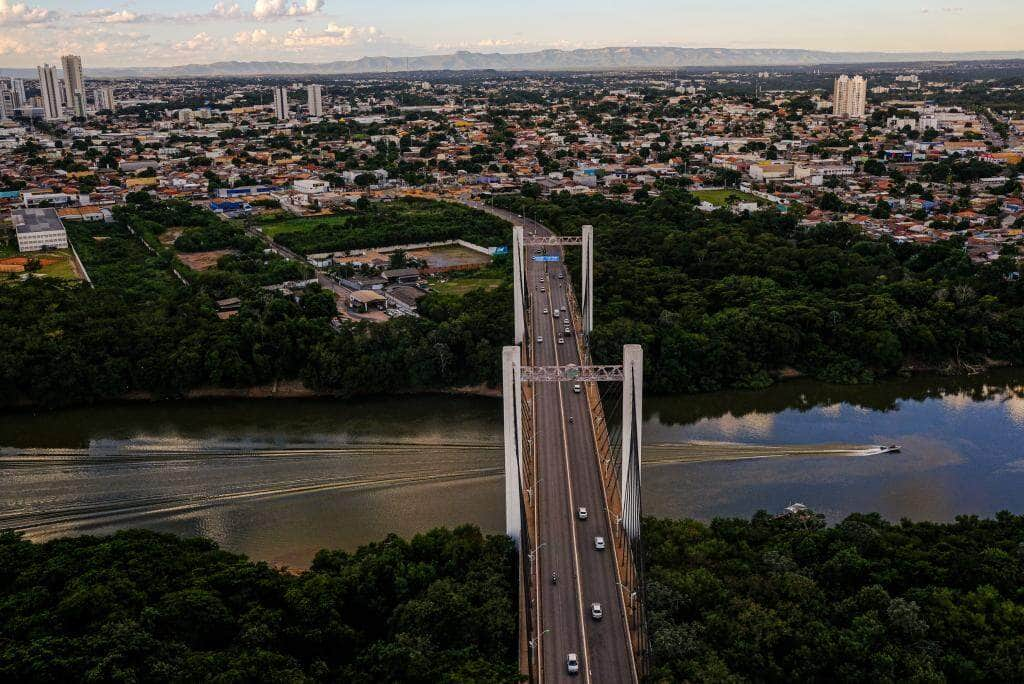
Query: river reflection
point(280, 479)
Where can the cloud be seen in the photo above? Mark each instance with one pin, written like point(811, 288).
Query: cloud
point(254, 37)
point(226, 10)
point(272, 9)
point(109, 16)
point(19, 14)
point(200, 41)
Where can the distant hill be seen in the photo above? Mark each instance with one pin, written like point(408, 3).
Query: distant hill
point(552, 60)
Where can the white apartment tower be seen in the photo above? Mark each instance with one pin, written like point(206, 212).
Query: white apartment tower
point(281, 103)
point(315, 97)
point(50, 91)
point(851, 97)
point(18, 88)
point(104, 98)
point(74, 84)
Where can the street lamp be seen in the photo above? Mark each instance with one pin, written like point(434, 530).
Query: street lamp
point(532, 554)
point(533, 642)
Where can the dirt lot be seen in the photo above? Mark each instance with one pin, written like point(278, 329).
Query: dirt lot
point(203, 261)
point(436, 257)
point(170, 235)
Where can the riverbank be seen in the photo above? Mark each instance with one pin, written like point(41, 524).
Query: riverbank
point(288, 389)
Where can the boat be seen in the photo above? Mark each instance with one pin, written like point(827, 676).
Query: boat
point(890, 449)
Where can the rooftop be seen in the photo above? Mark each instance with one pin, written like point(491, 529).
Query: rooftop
point(41, 220)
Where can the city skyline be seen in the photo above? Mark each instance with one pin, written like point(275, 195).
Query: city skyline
point(161, 33)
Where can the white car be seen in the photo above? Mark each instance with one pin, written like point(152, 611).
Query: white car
point(555, 314)
point(561, 340)
point(596, 612)
point(576, 388)
point(561, 276)
point(540, 339)
point(565, 321)
point(545, 309)
point(568, 332)
point(599, 543)
point(542, 289)
point(582, 513)
point(572, 664)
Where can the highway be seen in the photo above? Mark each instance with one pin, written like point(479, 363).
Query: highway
point(568, 477)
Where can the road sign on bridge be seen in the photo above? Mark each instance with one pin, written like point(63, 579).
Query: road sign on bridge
point(546, 258)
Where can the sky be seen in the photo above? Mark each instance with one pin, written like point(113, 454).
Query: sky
point(172, 32)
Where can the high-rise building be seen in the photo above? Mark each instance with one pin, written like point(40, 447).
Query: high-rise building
point(315, 98)
point(6, 102)
point(281, 103)
point(104, 98)
point(50, 91)
point(74, 84)
point(850, 97)
point(18, 88)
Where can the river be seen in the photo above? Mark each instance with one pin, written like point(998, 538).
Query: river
point(280, 479)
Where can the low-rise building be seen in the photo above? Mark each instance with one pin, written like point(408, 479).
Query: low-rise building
point(38, 229)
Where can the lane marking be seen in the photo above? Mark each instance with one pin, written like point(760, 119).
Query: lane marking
point(572, 507)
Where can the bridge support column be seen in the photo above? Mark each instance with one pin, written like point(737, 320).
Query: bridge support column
point(518, 283)
point(512, 397)
point(588, 282)
point(632, 427)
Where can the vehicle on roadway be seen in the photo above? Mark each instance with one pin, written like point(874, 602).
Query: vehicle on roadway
point(596, 612)
point(576, 388)
point(568, 332)
point(599, 543)
point(561, 276)
point(572, 663)
point(561, 340)
point(545, 309)
point(542, 289)
point(555, 314)
point(536, 251)
point(582, 513)
point(540, 339)
point(565, 321)
point(554, 578)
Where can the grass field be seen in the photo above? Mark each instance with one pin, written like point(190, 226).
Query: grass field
point(720, 198)
point(275, 228)
point(56, 263)
point(462, 286)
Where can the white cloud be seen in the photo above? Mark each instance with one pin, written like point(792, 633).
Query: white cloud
point(270, 9)
point(200, 41)
point(254, 37)
point(226, 10)
point(18, 13)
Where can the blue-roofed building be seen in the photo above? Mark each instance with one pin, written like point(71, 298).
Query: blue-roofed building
point(231, 209)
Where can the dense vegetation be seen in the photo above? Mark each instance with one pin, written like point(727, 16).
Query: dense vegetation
point(720, 300)
point(138, 606)
point(141, 329)
point(790, 600)
point(403, 221)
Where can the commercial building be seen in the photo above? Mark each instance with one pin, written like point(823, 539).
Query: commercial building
point(74, 84)
point(281, 103)
point(49, 91)
point(38, 229)
point(850, 97)
point(315, 98)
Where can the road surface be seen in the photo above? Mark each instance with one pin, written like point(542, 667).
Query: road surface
point(568, 478)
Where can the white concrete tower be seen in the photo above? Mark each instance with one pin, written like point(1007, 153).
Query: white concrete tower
point(588, 281)
point(512, 397)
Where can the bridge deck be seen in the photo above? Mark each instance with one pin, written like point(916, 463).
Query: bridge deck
point(568, 477)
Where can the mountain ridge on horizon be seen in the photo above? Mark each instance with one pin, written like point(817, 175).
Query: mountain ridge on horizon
point(541, 60)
